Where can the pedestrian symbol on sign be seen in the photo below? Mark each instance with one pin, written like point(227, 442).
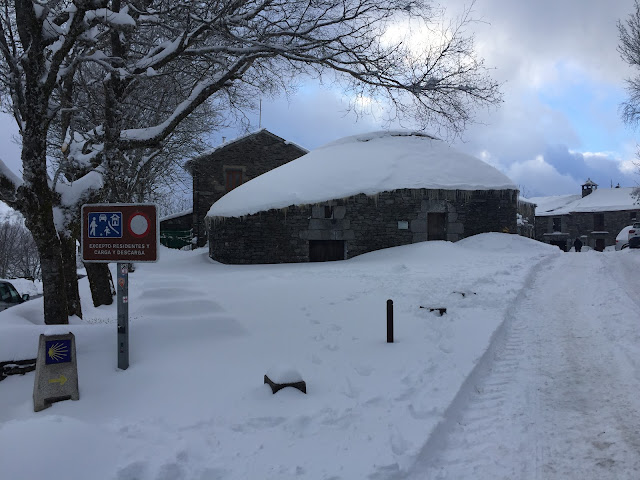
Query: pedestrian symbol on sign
point(105, 225)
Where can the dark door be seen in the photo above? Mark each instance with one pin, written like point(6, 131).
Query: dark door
point(560, 243)
point(326, 250)
point(600, 244)
point(435, 226)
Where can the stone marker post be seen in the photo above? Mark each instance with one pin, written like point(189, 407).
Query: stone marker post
point(56, 371)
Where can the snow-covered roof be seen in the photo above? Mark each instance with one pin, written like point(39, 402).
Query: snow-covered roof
point(224, 145)
point(600, 200)
point(548, 205)
point(177, 215)
point(370, 164)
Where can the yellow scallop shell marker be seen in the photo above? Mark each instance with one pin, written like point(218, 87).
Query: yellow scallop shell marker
point(58, 351)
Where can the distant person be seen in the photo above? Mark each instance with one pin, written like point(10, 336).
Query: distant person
point(577, 245)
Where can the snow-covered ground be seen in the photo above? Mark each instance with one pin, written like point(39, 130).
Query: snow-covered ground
point(533, 372)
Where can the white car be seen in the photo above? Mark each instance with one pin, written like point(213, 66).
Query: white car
point(9, 296)
point(634, 236)
point(622, 240)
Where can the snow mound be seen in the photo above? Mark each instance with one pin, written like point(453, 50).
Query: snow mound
point(363, 164)
point(282, 373)
point(415, 253)
point(505, 242)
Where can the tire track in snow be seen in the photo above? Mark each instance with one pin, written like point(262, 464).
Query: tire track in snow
point(463, 444)
point(555, 396)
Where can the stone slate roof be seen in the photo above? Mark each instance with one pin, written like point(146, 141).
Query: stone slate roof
point(207, 155)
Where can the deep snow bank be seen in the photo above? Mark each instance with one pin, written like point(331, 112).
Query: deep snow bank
point(193, 404)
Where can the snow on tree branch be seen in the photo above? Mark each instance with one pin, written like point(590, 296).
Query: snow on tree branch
point(9, 184)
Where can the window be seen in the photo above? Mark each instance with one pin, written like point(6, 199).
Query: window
point(598, 221)
point(233, 178)
point(632, 216)
point(557, 224)
point(8, 293)
point(328, 212)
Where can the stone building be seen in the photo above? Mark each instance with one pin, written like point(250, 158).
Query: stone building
point(220, 170)
point(596, 216)
point(361, 194)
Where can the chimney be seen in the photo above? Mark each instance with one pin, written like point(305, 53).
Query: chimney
point(588, 187)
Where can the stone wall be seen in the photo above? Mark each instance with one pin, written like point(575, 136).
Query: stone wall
point(365, 223)
point(254, 155)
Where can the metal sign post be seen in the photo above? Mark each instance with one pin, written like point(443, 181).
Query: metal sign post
point(123, 315)
point(122, 233)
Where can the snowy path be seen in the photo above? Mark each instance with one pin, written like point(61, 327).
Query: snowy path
point(558, 394)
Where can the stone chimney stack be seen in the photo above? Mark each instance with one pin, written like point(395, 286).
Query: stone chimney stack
point(588, 187)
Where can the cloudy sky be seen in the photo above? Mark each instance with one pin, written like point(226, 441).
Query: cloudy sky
point(559, 122)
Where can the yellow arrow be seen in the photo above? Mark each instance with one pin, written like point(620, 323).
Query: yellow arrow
point(61, 380)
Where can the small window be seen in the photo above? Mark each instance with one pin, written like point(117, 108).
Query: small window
point(557, 224)
point(632, 216)
point(598, 221)
point(233, 178)
point(328, 212)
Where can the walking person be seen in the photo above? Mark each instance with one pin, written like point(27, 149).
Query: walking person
point(577, 245)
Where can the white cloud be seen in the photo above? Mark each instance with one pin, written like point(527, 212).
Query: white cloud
point(629, 167)
point(538, 178)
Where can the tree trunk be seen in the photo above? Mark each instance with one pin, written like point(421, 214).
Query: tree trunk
point(101, 284)
point(36, 204)
point(74, 306)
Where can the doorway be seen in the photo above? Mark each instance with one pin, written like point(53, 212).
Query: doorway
point(600, 244)
point(326, 250)
point(436, 226)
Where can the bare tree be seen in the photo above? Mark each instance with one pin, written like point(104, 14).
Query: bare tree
point(222, 51)
point(18, 252)
point(629, 49)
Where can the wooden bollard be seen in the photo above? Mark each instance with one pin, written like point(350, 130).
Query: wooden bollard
point(389, 321)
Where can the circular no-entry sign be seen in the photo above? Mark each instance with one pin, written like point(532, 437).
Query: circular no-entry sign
point(139, 224)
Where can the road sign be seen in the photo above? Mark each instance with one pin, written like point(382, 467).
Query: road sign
point(105, 224)
point(120, 232)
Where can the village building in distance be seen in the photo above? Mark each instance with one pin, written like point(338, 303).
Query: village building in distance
point(220, 170)
point(596, 216)
point(361, 194)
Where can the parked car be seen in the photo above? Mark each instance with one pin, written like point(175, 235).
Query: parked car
point(9, 296)
point(622, 240)
point(634, 235)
